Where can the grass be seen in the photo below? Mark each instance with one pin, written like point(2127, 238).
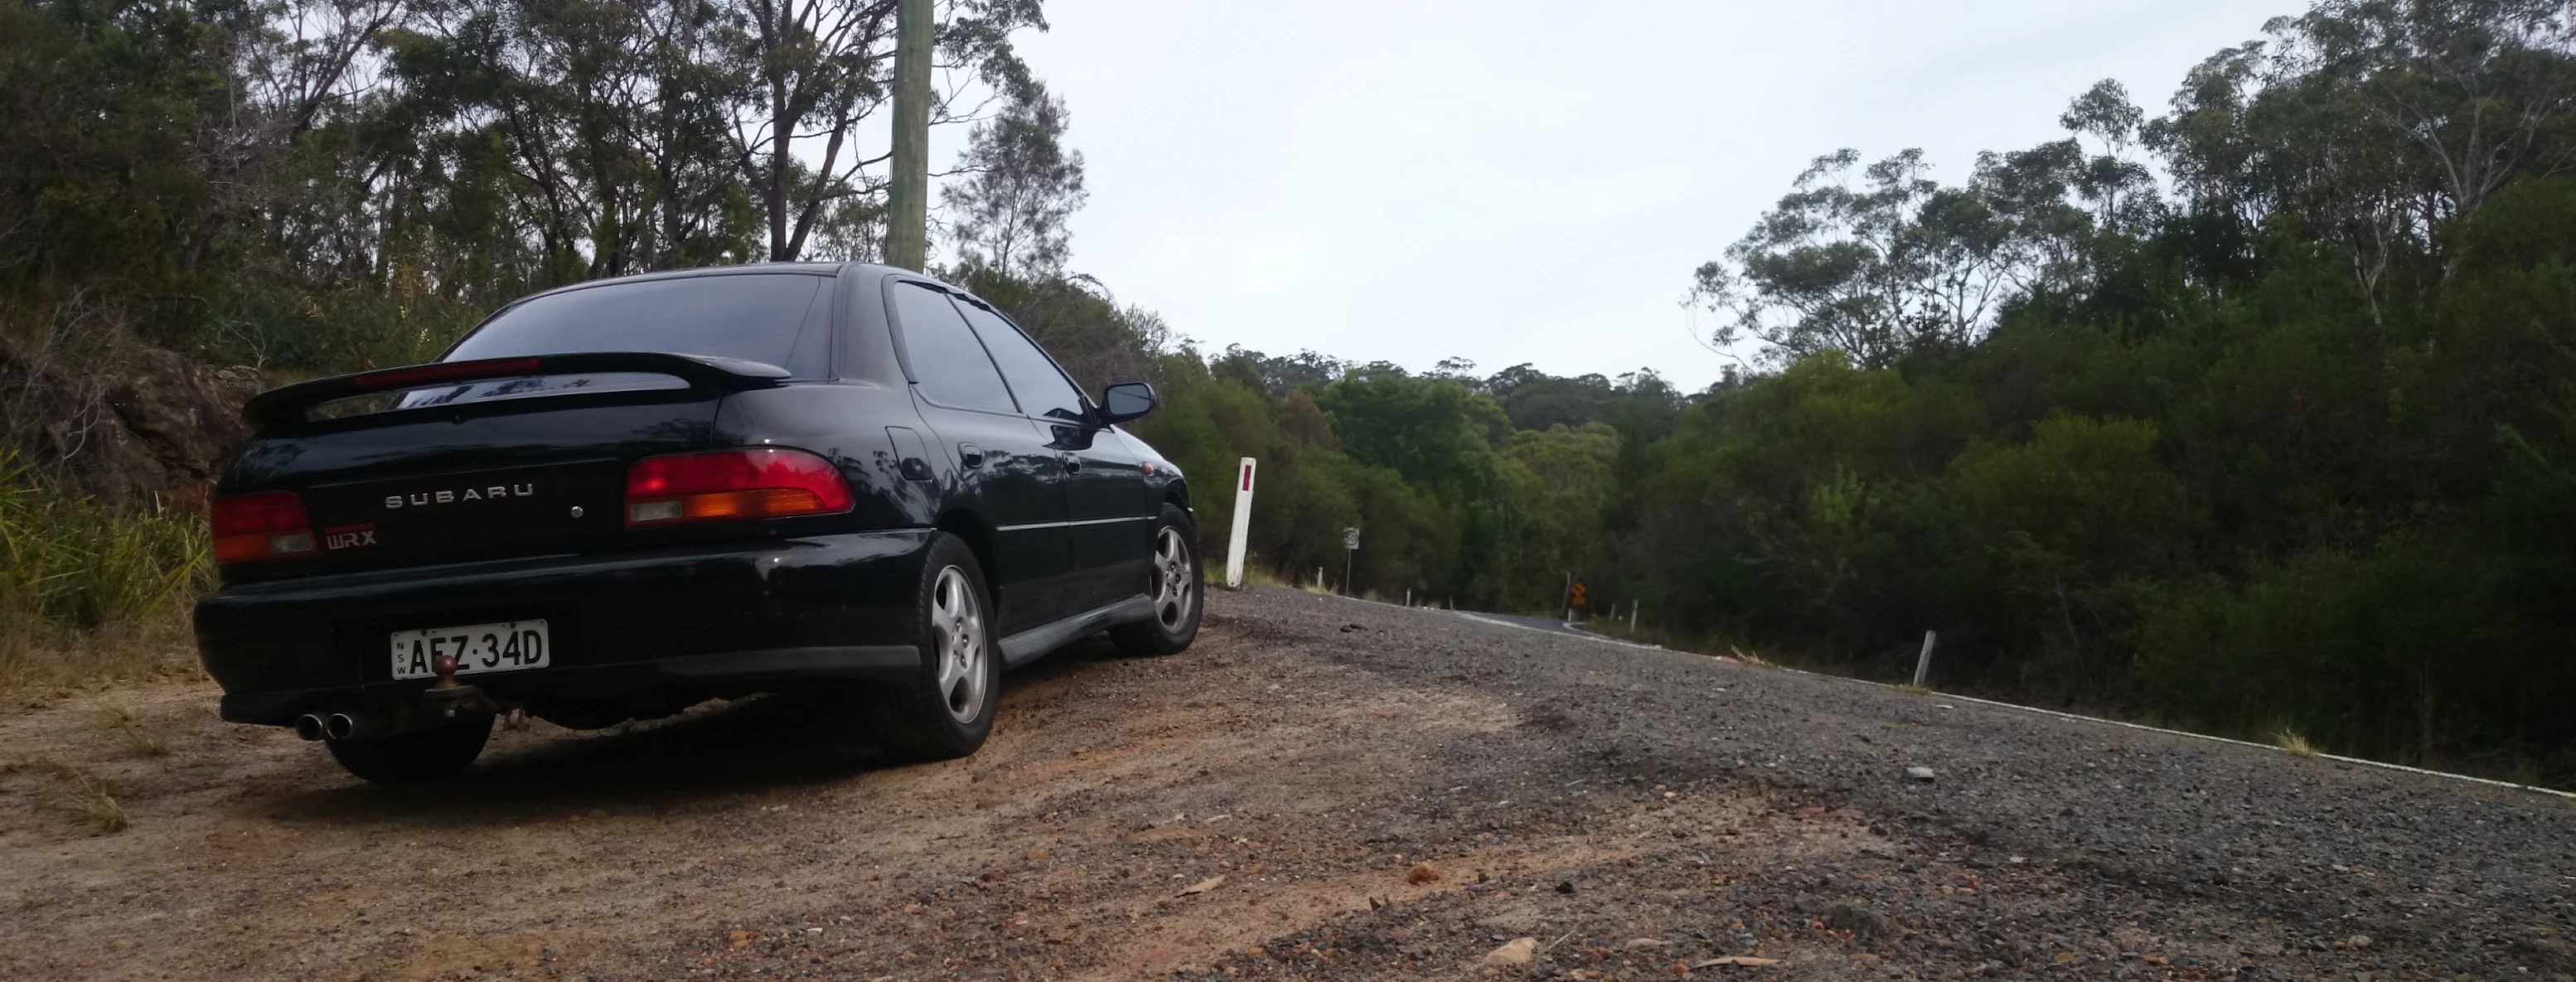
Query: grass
point(90, 593)
point(1255, 574)
point(83, 796)
point(2293, 742)
point(131, 734)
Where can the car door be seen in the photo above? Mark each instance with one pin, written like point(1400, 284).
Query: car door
point(1002, 460)
point(1109, 509)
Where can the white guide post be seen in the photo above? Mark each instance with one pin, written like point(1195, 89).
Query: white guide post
point(1242, 526)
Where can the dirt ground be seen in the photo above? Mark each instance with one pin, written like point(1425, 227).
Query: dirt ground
point(1318, 788)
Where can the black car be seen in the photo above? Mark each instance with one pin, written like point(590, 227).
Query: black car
point(614, 500)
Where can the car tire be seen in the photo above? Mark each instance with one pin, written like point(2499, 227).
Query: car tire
point(1178, 591)
point(421, 755)
point(945, 711)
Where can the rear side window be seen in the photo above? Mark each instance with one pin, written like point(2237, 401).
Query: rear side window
point(772, 318)
point(946, 359)
point(1043, 391)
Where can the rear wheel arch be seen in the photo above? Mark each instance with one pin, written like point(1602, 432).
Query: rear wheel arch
point(978, 536)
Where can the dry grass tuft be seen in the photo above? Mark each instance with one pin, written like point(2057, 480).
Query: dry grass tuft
point(84, 796)
point(137, 742)
point(2293, 743)
point(1749, 658)
point(90, 802)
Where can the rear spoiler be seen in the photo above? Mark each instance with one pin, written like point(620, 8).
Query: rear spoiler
point(287, 405)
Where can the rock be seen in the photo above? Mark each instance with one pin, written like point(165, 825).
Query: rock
point(1919, 773)
point(1861, 921)
point(1517, 951)
point(1421, 873)
point(1566, 886)
point(138, 426)
point(1203, 886)
point(1635, 943)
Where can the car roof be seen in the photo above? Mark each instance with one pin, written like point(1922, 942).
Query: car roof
point(808, 269)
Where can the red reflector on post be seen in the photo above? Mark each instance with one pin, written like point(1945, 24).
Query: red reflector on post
point(761, 482)
point(268, 525)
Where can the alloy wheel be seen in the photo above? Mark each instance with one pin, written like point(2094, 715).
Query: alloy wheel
point(957, 632)
point(1172, 595)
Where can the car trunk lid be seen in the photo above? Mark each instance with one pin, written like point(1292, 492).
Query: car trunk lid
point(518, 457)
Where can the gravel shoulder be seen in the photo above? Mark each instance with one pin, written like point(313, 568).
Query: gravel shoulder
point(1320, 788)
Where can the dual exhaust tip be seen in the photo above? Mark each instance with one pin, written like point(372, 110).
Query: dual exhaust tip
point(439, 706)
point(337, 726)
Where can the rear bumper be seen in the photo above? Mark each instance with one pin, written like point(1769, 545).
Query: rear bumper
point(709, 620)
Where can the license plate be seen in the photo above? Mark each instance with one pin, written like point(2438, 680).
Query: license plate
point(503, 647)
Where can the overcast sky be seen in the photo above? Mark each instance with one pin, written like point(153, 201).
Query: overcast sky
point(1531, 182)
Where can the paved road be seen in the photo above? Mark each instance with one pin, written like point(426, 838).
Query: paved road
point(1322, 788)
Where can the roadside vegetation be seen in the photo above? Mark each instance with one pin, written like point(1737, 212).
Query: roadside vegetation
point(90, 592)
point(2255, 414)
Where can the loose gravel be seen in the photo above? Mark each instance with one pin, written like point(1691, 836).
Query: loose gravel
point(1321, 788)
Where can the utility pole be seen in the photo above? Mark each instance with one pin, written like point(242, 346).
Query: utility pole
point(908, 192)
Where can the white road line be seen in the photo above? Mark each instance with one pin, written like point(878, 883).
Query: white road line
point(1570, 632)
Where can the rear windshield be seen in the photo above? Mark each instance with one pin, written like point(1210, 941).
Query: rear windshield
point(772, 318)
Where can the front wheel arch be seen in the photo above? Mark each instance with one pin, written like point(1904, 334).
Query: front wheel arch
point(1158, 635)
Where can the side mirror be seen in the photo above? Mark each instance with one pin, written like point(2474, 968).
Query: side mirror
point(1125, 401)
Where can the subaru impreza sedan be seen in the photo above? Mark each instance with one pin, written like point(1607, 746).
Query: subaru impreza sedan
point(615, 500)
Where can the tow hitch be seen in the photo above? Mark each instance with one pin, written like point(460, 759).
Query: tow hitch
point(444, 702)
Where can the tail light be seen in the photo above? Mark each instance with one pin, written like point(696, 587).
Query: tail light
point(269, 525)
point(761, 482)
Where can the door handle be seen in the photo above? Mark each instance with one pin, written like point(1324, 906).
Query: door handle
point(1072, 464)
point(970, 455)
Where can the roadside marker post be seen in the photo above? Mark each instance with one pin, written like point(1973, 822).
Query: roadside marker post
point(1242, 527)
point(1350, 545)
point(1923, 662)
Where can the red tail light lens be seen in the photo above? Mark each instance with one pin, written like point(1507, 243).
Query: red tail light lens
point(763, 482)
point(269, 525)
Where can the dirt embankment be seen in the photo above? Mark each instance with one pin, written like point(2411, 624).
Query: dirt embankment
point(1320, 788)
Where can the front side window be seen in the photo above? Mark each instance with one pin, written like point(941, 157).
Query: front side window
point(772, 318)
point(947, 361)
point(1042, 389)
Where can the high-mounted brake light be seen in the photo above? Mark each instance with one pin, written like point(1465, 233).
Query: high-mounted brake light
point(446, 371)
point(761, 482)
point(268, 525)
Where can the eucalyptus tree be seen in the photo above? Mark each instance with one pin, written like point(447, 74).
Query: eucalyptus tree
point(823, 68)
point(1021, 184)
point(2381, 125)
point(1874, 267)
